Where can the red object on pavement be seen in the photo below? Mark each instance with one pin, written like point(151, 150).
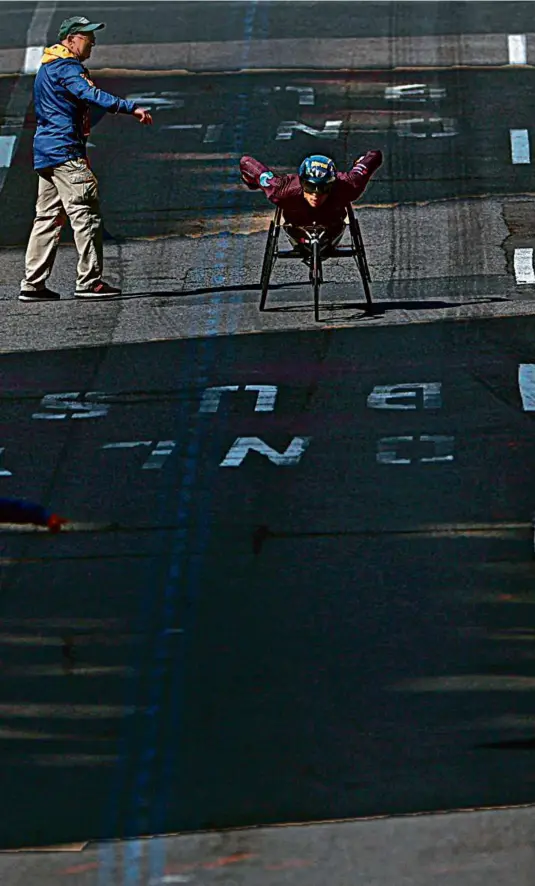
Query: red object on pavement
point(55, 522)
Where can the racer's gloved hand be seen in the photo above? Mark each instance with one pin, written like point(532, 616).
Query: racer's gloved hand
point(250, 182)
point(373, 159)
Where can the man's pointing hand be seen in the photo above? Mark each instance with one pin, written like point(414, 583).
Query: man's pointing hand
point(143, 116)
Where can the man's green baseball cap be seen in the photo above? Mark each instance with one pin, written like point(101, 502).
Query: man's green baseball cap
point(78, 24)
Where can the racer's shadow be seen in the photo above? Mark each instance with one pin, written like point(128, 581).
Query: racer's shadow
point(380, 307)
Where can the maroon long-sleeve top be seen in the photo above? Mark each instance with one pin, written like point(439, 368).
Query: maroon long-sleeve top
point(286, 191)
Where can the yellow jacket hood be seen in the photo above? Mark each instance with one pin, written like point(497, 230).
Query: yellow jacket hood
point(52, 53)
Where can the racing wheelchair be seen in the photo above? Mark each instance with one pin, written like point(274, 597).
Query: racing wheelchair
point(314, 249)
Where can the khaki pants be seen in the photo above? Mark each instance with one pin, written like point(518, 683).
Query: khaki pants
point(66, 191)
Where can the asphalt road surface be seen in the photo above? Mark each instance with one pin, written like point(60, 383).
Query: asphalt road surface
point(296, 582)
point(334, 632)
point(445, 136)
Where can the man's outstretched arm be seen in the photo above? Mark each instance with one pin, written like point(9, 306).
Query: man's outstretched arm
point(75, 79)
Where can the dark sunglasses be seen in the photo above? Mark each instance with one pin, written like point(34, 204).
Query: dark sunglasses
point(312, 188)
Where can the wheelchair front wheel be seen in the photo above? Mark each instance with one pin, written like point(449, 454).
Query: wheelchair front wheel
point(316, 278)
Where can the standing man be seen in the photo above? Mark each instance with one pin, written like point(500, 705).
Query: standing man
point(63, 95)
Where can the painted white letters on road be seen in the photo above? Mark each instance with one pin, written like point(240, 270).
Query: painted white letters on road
point(212, 397)
point(157, 457)
point(242, 445)
point(265, 401)
point(406, 396)
point(286, 129)
point(400, 450)
point(68, 405)
point(267, 394)
point(3, 471)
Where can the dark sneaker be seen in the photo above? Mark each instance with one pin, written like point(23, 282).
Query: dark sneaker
point(98, 290)
point(39, 295)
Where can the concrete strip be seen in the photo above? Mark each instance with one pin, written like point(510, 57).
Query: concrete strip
point(472, 847)
point(335, 53)
point(167, 317)
point(419, 258)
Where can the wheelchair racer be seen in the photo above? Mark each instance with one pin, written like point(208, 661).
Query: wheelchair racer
point(318, 193)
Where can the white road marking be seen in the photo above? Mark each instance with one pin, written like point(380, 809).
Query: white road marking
point(165, 100)
point(526, 383)
point(267, 394)
point(68, 405)
point(431, 127)
point(286, 129)
point(7, 149)
point(242, 445)
point(184, 126)
point(306, 93)
point(517, 48)
point(159, 455)
point(413, 92)
point(523, 264)
point(68, 527)
point(171, 878)
point(212, 397)
point(213, 133)
point(265, 401)
point(443, 447)
point(67, 711)
point(21, 94)
point(4, 472)
point(389, 396)
point(387, 449)
point(519, 146)
point(127, 445)
point(32, 59)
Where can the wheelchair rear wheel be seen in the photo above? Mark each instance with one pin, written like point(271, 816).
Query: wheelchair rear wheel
point(361, 260)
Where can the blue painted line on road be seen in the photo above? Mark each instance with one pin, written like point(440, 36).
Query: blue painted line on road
point(147, 814)
point(191, 569)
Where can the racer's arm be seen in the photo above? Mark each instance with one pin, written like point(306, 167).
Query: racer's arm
point(257, 176)
point(74, 78)
point(363, 169)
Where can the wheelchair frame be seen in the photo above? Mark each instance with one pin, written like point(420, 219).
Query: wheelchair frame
point(313, 247)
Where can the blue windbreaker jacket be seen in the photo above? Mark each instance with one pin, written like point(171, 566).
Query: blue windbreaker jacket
point(63, 94)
